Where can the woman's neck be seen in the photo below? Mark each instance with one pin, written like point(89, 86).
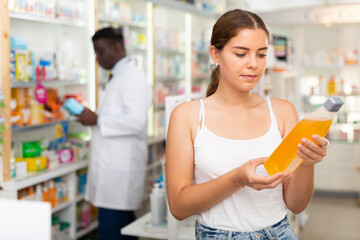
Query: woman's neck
point(232, 99)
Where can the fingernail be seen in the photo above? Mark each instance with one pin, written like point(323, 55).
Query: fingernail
point(303, 140)
point(300, 146)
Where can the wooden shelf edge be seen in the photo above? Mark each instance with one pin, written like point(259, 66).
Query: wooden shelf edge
point(6, 88)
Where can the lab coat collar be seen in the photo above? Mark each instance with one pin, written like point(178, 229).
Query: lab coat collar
point(119, 65)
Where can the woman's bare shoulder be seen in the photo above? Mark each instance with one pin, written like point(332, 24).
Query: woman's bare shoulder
point(187, 110)
point(281, 106)
point(285, 113)
point(185, 117)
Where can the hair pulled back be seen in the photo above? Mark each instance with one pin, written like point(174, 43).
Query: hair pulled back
point(225, 28)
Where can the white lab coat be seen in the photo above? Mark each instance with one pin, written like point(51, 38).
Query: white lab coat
point(116, 175)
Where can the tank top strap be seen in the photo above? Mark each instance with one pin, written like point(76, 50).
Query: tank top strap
point(272, 115)
point(201, 116)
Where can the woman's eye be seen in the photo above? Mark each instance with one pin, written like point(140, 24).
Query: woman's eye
point(240, 54)
point(262, 55)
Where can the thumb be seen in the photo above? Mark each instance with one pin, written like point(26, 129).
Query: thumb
point(259, 161)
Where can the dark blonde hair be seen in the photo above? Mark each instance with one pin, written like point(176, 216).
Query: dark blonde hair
point(226, 27)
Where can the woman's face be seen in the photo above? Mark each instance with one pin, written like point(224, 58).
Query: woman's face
point(242, 60)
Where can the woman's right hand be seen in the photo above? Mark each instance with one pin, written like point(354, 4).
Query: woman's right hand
point(246, 175)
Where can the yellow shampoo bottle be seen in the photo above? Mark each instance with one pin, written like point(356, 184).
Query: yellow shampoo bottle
point(285, 157)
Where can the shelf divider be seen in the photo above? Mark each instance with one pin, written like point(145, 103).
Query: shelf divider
point(6, 88)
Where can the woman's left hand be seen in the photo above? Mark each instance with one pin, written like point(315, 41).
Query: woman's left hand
point(312, 152)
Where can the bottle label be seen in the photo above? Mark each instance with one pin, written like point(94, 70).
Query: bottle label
point(40, 94)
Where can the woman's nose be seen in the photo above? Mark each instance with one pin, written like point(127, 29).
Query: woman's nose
point(252, 62)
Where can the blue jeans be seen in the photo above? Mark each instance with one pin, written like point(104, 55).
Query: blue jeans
point(111, 221)
point(279, 231)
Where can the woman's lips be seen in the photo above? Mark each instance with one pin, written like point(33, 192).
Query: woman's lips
point(249, 77)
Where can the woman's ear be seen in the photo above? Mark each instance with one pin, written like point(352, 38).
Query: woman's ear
point(214, 53)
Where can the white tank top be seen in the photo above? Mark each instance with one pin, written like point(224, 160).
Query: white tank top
point(246, 209)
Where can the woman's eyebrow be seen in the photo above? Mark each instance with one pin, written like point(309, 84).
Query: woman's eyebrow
point(244, 48)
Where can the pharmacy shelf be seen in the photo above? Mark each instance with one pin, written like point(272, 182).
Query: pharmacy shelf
point(201, 77)
point(169, 79)
point(153, 165)
point(349, 124)
point(17, 129)
point(122, 22)
point(80, 198)
point(331, 95)
point(48, 83)
point(202, 53)
point(167, 51)
point(47, 20)
point(330, 67)
point(87, 230)
point(160, 106)
point(185, 7)
point(156, 139)
point(186, 230)
point(347, 142)
point(32, 179)
point(136, 50)
point(61, 207)
point(84, 137)
point(54, 31)
point(287, 74)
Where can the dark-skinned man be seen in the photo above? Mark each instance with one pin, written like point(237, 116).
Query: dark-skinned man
point(116, 174)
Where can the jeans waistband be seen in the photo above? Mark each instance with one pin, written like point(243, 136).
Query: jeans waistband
point(281, 228)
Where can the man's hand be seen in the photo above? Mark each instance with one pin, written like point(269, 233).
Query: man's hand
point(87, 117)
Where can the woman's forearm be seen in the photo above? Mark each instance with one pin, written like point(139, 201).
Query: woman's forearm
point(299, 190)
point(194, 199)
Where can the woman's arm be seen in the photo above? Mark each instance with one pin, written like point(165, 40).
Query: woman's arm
point(299, 190)
point(185, 198)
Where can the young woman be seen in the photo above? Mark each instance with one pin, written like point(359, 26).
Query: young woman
point(216, 147)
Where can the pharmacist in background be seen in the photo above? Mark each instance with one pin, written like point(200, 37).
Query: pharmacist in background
point(119, 139)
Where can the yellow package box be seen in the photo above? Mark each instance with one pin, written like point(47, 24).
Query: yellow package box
point(34, 164)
